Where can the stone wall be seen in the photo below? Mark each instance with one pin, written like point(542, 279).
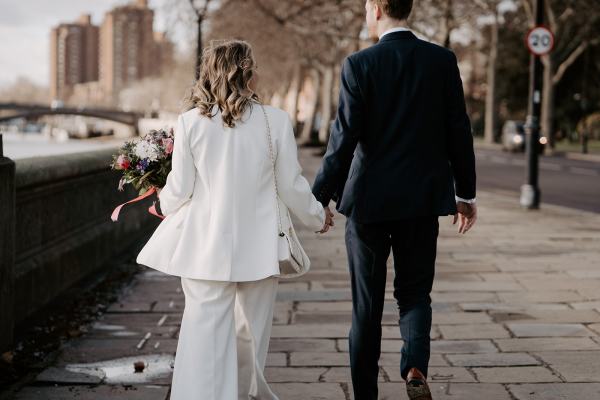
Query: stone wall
point(55, 228)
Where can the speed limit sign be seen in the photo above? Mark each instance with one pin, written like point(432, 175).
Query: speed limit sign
point(540, 40)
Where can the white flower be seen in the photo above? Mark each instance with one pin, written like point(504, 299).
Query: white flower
point(143, 149)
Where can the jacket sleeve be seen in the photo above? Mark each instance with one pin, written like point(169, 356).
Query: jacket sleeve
point(181, 179)
point(460, 138)
point(343, 139)
point(294, 189)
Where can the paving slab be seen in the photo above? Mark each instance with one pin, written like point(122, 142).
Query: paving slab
point(435, 374)
point(574, 366)
point(473, 331)
point(303, 345)
point(550, 344)
point(492, 359)
point(463, 346)
point(87, 350)
point(515, 374)
point(515, 316)
point(294, 374)
point(448, 391)
point(342, 375)
point(313, 391)
point(555, 391)
point(556, 316)
point(520, 329)
point(82, 392)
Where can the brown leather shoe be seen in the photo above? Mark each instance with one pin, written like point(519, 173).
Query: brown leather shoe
point(416, 386)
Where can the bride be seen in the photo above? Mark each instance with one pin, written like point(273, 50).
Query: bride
point(220, 210)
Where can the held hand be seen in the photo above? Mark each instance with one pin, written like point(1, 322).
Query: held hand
point(328, 220)
point(467, 214)
point(158, 191)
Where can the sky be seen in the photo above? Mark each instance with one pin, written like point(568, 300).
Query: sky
point(25, 32)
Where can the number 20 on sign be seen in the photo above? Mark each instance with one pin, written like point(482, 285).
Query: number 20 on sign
point(540, 40)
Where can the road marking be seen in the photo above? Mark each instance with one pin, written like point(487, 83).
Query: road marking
point(583, 171)
point(551, 167)
point(499, 160)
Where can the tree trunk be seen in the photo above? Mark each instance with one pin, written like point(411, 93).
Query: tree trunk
point(279, 97)
point(295, 89)
point(447, 23)
point(307, 136)
point(326, 104)
point(491, 104)
point(547, 118)
point(199, 47)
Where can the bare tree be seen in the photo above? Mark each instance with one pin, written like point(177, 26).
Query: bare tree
point(24, 90)
point(296, 41)
point(576, 26)
point(437, 19)
point(167, 92)
point(490, 8)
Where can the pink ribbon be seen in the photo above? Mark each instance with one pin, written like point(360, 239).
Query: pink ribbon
point(152, 210)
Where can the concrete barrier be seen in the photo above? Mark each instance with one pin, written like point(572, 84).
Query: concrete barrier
point(55, 228)
point(7, 249)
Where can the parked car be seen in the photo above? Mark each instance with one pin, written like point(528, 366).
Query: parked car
point(55, 104)
point(513, 137)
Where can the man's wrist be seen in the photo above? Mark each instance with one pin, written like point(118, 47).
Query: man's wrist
point(468, 201)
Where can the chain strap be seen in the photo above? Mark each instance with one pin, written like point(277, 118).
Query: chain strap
point(272, 156)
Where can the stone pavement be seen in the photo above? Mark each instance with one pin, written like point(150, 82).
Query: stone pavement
point(516, 316)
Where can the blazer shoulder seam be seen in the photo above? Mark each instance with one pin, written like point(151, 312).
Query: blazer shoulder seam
point(353, 72)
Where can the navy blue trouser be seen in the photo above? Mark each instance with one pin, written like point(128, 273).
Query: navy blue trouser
point(414, 243)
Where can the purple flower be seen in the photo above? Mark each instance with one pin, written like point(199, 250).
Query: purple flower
point(142, 165)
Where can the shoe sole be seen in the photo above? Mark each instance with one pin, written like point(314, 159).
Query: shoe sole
point(418, 392)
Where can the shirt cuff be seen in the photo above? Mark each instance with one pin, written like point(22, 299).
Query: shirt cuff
point(468, 201)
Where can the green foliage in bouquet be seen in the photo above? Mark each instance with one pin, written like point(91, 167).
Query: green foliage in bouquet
point(145, 162)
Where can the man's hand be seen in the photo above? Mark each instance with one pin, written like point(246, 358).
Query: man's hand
point(328, 220)
point(467, 214)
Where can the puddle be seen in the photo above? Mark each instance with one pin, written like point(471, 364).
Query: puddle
point(106, 327)
point(125, 334)
point(114, 330)
point(121, 370)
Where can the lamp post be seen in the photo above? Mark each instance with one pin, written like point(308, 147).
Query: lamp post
point(540, 41)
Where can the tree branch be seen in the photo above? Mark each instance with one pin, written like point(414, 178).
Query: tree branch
point(551, 17)
point(564, 66)
point(529, 11)
point(566, 14)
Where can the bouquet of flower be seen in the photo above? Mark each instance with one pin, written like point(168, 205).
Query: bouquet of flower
point(145, 163)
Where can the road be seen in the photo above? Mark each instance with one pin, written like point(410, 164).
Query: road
point(563, 182)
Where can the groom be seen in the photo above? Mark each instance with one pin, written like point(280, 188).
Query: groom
point(400, 154)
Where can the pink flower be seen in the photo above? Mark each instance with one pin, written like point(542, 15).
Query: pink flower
point(123, 162)
point(168, 144)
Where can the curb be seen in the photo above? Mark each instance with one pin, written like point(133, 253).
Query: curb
point(583, 157)
point(563, 154)
point(509, 197)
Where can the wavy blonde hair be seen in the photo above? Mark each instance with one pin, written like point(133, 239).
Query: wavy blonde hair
point(226, 70)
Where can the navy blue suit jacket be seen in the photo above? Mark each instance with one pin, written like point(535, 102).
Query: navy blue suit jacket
point(401, 145)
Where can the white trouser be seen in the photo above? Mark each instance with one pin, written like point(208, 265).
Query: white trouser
point(224, 340)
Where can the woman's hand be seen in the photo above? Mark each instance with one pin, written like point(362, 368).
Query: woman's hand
point(158, 191)
point(328, 220)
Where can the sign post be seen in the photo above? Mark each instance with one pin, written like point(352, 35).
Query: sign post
point(540, 41)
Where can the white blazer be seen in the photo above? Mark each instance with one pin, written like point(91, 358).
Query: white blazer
point(219, 198)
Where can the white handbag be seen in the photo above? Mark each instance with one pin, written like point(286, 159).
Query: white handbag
point(293, 260)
